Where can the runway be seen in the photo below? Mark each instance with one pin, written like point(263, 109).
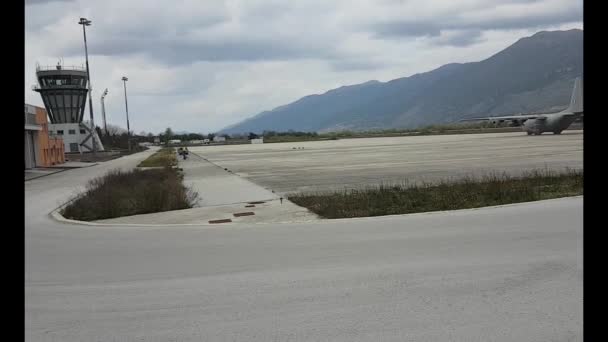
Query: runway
point(353, 163)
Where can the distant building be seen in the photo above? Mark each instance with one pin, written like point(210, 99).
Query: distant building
point(156, 141)
point(175, 141)
point(217, 138)
point(41, 148)
point(257, 141)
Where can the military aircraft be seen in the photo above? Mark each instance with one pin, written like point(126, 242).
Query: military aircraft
point(546, 122)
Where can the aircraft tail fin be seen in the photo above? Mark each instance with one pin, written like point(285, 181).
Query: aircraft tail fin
point(576, 102)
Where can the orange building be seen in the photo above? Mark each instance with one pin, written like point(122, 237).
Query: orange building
point(42, 149)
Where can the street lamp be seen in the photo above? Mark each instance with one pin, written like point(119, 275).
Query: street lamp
point(125, 79)
point(85, 22)
point(103, 111)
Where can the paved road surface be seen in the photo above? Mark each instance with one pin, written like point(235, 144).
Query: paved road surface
point(222, 195)
point(500, 274)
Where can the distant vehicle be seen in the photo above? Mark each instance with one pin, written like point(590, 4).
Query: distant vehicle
point(175, 141)
point(183, 151)
point(549, 122)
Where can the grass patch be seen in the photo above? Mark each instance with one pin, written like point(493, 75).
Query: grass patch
point(165, 157)
point(469, 192)
point(289, 138)
point(124, 193)
point(454, 128)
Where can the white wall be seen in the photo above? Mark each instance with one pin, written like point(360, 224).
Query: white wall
point(30, 109)
point(74, 138)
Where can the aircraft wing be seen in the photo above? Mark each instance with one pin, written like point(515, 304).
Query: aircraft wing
point(508, 118)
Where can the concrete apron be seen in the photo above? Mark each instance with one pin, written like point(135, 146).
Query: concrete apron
point(224, 198)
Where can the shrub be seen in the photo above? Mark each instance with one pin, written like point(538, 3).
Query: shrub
point(123, 193)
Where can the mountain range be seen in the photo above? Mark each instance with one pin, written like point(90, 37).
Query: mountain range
point(534, 74)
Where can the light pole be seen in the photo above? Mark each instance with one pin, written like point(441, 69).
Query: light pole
point(103, 111)
point(124, 80)
point(85, 22)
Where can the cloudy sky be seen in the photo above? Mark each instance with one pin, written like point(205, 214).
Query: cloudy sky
point(200, 65)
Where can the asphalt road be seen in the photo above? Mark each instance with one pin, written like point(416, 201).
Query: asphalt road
point(511, 273)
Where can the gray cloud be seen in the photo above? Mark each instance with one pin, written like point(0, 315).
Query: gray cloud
point(354, 64)
point(180, 51)
point(461, 38)
point(406, 29)
point(485, 19)
point(38, 2)
point(248, 31)
point(531, 21)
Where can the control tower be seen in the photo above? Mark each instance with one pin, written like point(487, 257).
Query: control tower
point(64, 94)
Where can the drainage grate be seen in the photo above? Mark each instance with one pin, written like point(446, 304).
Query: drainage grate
point(249, 213)
point(221, 221)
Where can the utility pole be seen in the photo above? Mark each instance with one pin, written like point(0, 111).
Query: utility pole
point(85, 22)
point(125, 79)
point(103, 111)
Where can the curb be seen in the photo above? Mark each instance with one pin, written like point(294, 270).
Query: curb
point(62, 169)
point(58, 217)
point(48, 174)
